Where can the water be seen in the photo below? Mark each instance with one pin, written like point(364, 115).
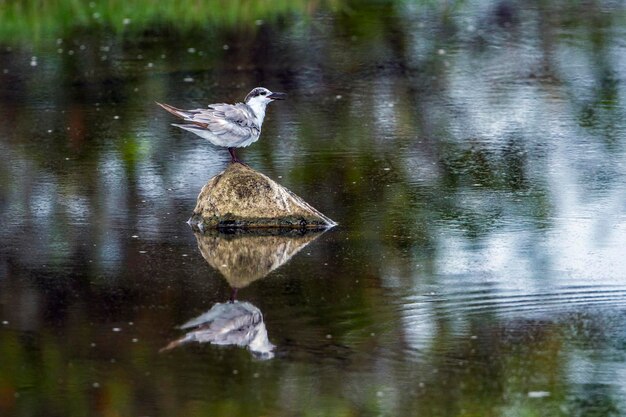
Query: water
point(472, 154)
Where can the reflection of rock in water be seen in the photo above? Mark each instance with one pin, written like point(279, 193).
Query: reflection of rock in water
point(237, 323)
point(243, 258)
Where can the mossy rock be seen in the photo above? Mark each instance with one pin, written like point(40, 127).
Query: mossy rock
point(241, 197)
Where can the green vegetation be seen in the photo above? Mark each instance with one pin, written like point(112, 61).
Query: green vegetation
point(39, 19)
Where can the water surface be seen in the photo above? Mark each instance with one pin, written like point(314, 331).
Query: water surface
point(472, 154)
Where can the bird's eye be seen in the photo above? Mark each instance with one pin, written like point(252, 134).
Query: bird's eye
point(263, 93)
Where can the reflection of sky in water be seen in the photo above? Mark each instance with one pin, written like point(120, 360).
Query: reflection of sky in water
point(514, 269)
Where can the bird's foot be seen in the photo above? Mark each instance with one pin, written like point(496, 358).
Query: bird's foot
point(239, 161)
point(234, 159)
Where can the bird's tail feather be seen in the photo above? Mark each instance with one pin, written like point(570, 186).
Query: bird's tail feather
point(176, 112)
point(194, 127)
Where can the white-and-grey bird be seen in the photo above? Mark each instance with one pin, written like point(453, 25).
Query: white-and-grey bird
point(229, 125)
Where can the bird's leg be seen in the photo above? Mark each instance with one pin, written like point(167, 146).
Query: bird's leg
point(233, 295)
point(233, 157)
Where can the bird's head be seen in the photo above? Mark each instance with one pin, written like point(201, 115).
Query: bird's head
point(262, 97)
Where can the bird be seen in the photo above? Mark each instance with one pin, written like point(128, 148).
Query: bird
point(228, 125)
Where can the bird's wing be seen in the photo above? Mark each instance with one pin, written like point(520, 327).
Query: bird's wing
point(225, 119)
point(227, 123)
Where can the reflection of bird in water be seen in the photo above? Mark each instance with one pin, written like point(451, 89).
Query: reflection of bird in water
point(236, 323)
point(229, 125)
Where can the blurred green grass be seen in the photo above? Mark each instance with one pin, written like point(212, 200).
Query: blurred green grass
point(32, 20)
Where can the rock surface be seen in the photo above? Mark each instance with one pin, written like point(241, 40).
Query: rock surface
point(241, 197)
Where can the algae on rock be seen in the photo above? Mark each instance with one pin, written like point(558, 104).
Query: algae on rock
point(241, 197)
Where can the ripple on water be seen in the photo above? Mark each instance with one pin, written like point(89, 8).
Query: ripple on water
point(512, 303)
point(460, 315)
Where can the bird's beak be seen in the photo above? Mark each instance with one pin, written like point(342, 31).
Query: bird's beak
point(277, 96)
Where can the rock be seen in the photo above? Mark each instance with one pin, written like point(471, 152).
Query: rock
point(243, 258)
point(241, 197)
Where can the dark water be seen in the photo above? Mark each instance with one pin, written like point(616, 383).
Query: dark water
point(473, 155)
